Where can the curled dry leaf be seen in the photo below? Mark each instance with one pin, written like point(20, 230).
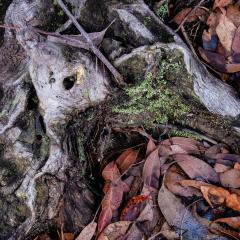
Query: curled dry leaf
point(88, 232)
point(226, 32)
point(233, 222)
point(173, 178)
point(111, 172)
point(133, 208)
point(187, 144)
point(195, 167)
point(126, 159)
point(177, 215)
point(151, 169)
point(115, 231)
point(230, 178)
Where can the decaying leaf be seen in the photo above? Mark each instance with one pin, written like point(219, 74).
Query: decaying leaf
point(176, 214)
point(88, 232)
point(133, 208)
point(230, 178)
point(111, 172)
point(126, 159)
point(151, 169)
point(226, 32)
point(115, 231)
point(196, 168)
point(233, 222)
point(173, 177)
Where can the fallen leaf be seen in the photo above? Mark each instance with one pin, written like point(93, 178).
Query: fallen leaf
point(69, 236)
point(233, 13)
point(220, 194)
point(133, 208)
point(230, 178)
point(237, 166)
point(221, 168)
point(151, 169)
point(88, 232)
point(233, 222)
point(172, 182)
point(126, 159)
point(111, 172)
point(150, 147)
point(226, 31)
point(210, 42)
point(177, 215)
point(233, 201)
point(115, 231)
point(195, 167)
point(233, 67)
point(226, 156)
point(193, 16)
point(187, 144)
point(193, 183)
point(222, 3)
point(216, 60)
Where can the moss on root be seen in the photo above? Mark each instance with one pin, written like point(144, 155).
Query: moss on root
point(151, 101)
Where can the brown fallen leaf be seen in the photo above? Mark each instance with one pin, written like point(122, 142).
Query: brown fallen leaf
point(126, 159)
point(222, 3)
point(226, 32)
point(221, 168)
point(233, 201)
point(233, 222)
point(151, 169)
point(111, 172)
point(177, 215)
point(173, 177)
point(187, 144)
point(193, 16)
point(115, 231)
point(195, 167)
point(233, 67)
point(88, 232)
point(216, 60)
point(150, 147)
point(68, 236)
point(193, 183)
point(233, 13)
point(230, 178)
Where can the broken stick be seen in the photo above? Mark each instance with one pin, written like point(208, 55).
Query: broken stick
point(118, 77)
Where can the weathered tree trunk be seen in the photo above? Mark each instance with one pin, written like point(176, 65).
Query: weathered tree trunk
point(46, 87)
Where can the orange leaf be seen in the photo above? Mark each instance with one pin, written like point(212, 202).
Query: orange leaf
point(233, 222)
point(233, 201)
point(133, 208)
point(126, 159)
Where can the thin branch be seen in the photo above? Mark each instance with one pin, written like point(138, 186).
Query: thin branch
point(118, 77)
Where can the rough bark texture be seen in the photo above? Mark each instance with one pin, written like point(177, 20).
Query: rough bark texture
point(45, 88)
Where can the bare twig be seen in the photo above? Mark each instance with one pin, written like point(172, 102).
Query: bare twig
point(118, 77)
point(186, 17)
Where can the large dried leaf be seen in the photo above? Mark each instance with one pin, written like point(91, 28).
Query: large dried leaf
point(193, 16)
point(187, 144)
point(173, 178)
point(126, 159)
point(222, 3)
point(177, 215)
point(196, 168)
point(233, 222)
point(233, 13)
point(230, 178)
point(226, 31)
point(88, 232)
point(216, 60)
point(133, 208)
point(111, 172)
point(115, 231)
point(151, 169)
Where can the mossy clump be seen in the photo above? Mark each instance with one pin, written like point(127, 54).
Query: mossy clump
point(162, 11)
point(151, 101)
point(182, 133)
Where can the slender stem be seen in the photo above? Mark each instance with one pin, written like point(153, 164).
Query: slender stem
point(118, 77)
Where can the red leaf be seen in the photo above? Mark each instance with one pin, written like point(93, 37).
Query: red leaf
point(126, 159)
point(111, 172)
point(133, 208)
point(195, 167)
point(151, 169)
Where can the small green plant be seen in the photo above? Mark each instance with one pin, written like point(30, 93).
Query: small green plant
point(152, 101)
point(182, 133)
point(162, 11)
